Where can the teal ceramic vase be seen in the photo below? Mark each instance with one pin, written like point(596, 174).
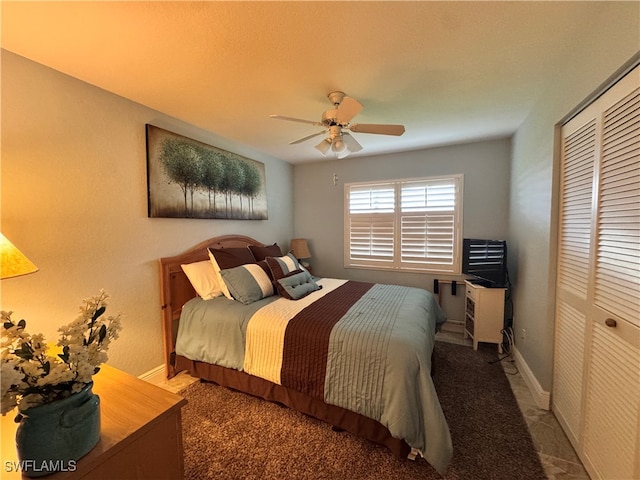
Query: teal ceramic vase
point(51, 437)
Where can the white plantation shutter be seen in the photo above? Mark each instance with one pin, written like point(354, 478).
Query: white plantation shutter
point(428, 223)
point(372, 223)
point(405, 224)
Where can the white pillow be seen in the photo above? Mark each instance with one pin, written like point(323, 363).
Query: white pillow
point(203, 278)
point(216, 268)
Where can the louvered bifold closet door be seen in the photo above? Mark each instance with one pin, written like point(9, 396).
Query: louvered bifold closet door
point(596, 384)
point(574, 256)
point(612, 409)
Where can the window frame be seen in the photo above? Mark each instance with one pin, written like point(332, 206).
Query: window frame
point(390, 257)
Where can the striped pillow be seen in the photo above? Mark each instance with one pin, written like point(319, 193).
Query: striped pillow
point(247, 283)
point(282, 266)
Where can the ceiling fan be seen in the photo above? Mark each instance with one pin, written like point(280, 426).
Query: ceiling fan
point(336, 121)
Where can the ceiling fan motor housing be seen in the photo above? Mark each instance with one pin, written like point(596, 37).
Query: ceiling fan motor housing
point(330, 117)
point(335, 131)
point(336, 97)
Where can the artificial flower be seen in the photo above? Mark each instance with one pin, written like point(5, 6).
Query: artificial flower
point(30, 376)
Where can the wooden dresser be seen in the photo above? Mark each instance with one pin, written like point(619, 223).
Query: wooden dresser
point(141, 434)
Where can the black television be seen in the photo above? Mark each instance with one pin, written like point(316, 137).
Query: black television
point(486, 261)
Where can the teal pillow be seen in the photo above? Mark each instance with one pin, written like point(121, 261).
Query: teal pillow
point(247, 283)
point(296, 285)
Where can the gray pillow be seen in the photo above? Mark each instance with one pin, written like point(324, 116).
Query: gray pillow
point(247, 283)
point(296, 285)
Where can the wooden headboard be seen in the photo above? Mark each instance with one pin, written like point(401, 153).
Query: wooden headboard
point(176, 290)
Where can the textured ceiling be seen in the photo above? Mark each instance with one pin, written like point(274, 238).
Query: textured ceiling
point(449, 71)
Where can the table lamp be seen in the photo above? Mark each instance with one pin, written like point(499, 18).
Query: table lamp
point(300, 250)
point(13, 263)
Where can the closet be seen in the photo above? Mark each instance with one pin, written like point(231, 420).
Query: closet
point(596, 377)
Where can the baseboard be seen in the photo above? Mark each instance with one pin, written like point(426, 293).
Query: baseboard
point(540, 396)
point(453, 326)
point(154, 376)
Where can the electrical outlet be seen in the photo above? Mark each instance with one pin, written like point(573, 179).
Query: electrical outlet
point(523, 334)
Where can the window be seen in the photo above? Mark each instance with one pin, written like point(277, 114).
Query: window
point(411, 224)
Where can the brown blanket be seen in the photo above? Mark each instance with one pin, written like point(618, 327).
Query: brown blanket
point(306, 341)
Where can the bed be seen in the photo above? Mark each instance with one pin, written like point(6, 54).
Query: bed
point(355, 355)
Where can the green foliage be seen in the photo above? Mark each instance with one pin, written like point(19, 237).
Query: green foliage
point(194, 167)
point(212, 172)
point(181, 163)
point(31, 376)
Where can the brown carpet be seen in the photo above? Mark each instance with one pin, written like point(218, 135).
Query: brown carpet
point(230, 435)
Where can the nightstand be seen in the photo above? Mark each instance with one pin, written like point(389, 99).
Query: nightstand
point(484, 314)
point(140, 437)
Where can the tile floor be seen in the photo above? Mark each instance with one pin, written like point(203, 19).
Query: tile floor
point(556, 453)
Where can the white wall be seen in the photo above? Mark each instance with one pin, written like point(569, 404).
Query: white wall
point(319, 213)
point(612, 40)
point(74, 200)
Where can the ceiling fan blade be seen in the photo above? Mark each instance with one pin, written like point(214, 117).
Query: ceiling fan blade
point(291, 119)
point(300, 140)
point(351, 143)
point(348, 108)
point(377, 128)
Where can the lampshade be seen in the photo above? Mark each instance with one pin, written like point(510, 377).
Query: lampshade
point(12, 261)
point(343, 154)
point(339, 147)
point(299, 248)
point(324, 146)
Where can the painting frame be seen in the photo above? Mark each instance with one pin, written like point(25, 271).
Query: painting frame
point(187, 178)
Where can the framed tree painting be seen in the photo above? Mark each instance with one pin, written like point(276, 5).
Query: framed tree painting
point(190, 179)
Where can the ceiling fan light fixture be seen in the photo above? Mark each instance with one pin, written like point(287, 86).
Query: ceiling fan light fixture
point(338, 146)
point(324, 146)
point(338, 119)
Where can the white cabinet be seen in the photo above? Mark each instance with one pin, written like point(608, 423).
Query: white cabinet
point(596, 384)
point(484, 314)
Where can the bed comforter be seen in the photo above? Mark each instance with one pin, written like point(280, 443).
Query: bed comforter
point(361, 346)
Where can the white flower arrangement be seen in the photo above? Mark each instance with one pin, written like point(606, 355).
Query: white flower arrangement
point(29, 376)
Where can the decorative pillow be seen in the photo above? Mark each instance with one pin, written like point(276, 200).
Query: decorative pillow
point(225, 258)
point(282, 266)
point(203, 278)
point(265, 266)
point(232, 257)
point(296, 285)
point(260, 253)
point(247, 283)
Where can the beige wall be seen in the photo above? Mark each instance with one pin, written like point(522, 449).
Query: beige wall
point(74, 197)
point(319, 214)
point(613, 40)
point(74, 200)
